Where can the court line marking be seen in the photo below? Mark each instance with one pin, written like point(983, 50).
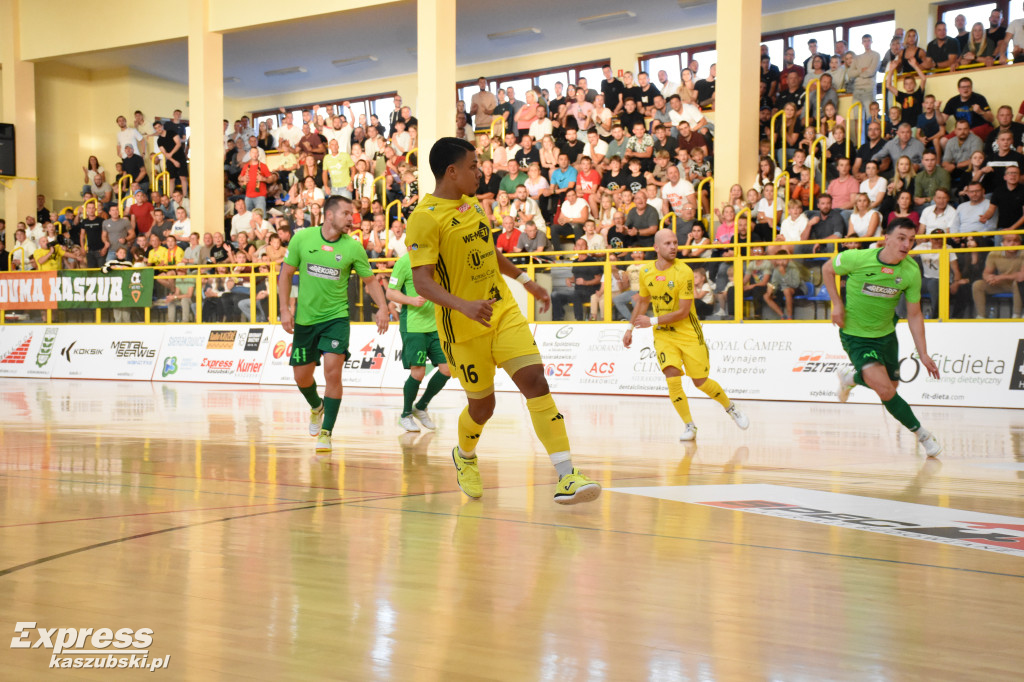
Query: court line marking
point(358, 504)
point(147, 487)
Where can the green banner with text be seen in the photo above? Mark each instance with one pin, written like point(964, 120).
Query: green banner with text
point(91, 289)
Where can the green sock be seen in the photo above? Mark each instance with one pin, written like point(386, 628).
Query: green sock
point(331, 406)
point(311, 396)
point(858, 378)
point(899, 408)
point(434, 386)
point(409, 391)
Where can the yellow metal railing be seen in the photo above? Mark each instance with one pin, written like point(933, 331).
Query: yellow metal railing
point(383, 188)
point(781, 113)
point(782, 177)
point(858, 107)
point(498, 121)
point(166, 177)
point(816, 86)
point(670, 215)
point(710, 182)
point(408, 154)
point(122, 185)
point(10, 258)
point(823, 142)
point(741, 255)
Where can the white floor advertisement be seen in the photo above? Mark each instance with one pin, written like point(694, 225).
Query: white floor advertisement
point(28, 350)
point(109, 351)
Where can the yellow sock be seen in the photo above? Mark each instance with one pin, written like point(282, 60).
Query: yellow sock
point(549, 425)
point(715, 392)
point(469, 433)
point(678, 398)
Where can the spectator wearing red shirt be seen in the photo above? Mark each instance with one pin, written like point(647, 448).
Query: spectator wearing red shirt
point(843, 188)
point(141, 213)
point(254, 177)
point(509, 237)
point(588, 179)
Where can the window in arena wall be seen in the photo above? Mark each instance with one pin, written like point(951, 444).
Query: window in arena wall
point(359, 105)
point(518, 85)
point(383, 107)
point(524, 80)
point(705, 58)
point(593, 76)
point(973, 12)
point(669, 63)
point(1016, 12)
point(776, 48)
point(881, 35)
point(826, 44)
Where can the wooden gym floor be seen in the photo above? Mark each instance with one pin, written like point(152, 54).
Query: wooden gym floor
point(201, 513)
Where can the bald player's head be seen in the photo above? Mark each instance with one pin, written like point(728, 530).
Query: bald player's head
point(666, 244)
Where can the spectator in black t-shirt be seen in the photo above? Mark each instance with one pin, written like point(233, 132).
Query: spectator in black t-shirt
point(629, 114)
point(611, 88)
point(134, 166)
point(487, 189)
point(571, 146)
point(706, 88)
point(943, 52)
point(585, 281)
point(504, 109)
point(1004, 158)
point(527, 154)
point(869, 150)
point(769, 76)
point(629, 89)
point(911, 97)
point(968, 106)
point(1008, 200)
point(1005, 122)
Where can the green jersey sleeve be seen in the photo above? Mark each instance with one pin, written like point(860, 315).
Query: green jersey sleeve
point(360, 262)
point(401, 274)
point(846, 262)
point(292, 256)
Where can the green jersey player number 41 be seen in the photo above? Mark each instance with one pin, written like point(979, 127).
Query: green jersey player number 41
point(875, 280)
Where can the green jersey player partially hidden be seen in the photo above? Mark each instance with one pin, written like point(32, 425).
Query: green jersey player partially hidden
point(875, 278)
point(324, 256)
point(420, 343)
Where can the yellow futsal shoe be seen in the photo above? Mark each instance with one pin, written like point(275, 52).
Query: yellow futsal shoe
point(316, 418)
point(468, 474)
point(323, 441)
point(575, 488)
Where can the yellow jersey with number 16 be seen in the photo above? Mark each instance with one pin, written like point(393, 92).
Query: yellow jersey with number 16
point(666, 289)
point(455, 237)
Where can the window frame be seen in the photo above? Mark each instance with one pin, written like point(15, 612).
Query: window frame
point(369, 100)
point(533, 75)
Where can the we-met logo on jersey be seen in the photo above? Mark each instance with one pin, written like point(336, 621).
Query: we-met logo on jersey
point(483, 233)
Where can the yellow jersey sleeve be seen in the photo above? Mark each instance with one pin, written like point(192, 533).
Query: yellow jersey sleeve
point(644, 291)
point(423, 237)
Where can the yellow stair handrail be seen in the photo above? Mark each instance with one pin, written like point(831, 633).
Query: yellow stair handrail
point(849, 124)
point(709, 180)
point(121, 186)
point(823, 141)
point(816, 86)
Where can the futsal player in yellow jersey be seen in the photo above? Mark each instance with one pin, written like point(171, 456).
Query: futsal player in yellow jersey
point(678, 338)
point(455, 265)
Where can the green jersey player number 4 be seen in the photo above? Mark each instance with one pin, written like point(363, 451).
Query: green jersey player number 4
point(324, 257)
point(875, 280)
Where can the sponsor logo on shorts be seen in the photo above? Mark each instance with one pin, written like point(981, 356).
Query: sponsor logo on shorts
point(323, 272)
point(221, 339)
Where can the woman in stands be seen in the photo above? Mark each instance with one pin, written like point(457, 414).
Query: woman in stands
point(92, 168)
point(316, 218)
point(979, 172)
point(502, 207)
point(767, 173)
point(864, 222)
point(687, 90)
point(697, 244)
point(735, 200)
point(874, 185)
point(979, 49)
point(264, 140)
point(548, 155)
point(818, 69)
point(605, 214)
point(911, 54)
point(904, 209)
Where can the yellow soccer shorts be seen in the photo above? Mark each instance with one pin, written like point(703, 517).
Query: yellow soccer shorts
point(682, 353)
point(508, 344)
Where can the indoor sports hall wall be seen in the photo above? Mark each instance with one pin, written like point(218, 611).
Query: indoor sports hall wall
point(981, 365)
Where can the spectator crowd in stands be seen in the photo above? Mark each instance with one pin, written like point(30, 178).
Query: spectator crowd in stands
point(589, 168)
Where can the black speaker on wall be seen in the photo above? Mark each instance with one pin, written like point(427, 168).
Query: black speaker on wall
point(7, 149)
